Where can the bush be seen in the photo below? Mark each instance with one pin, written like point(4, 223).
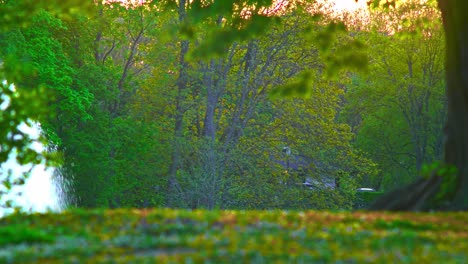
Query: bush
point(364, 199)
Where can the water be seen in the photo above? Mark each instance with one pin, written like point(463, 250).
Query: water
point(41, 191)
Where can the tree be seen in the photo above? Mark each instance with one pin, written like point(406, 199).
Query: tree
point(451, 182)
point(456, 142)
point(120, 163)
point(398, 108)
point(88, 66)
point(242, 21)
point(420, 194)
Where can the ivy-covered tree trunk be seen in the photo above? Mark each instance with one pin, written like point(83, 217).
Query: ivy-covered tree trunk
point(420, 194)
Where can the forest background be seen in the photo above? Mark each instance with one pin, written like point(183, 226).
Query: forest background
point(141, 114)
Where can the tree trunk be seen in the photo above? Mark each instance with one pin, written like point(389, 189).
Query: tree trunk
point(173, 188)
point(455, 19)
point(418, 195)
point(209, 128)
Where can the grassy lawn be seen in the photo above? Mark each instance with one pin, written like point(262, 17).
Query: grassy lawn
point(177, 236)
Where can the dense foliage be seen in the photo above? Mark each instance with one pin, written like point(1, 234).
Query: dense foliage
point(398, 110)
point(148, 109)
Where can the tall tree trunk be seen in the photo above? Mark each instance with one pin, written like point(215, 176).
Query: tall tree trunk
point(455, 19)
point(215, 82)
point(418, 195)
point(209, 128)
point(173, 187)
point(209, 133)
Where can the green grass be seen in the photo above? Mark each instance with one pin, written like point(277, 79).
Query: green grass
point(177, 236)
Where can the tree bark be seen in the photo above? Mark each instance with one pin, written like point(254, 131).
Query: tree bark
point(212, 94)
point(455, 19)
point(173, 188)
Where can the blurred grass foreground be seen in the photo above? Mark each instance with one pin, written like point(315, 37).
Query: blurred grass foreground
point(200, 236)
